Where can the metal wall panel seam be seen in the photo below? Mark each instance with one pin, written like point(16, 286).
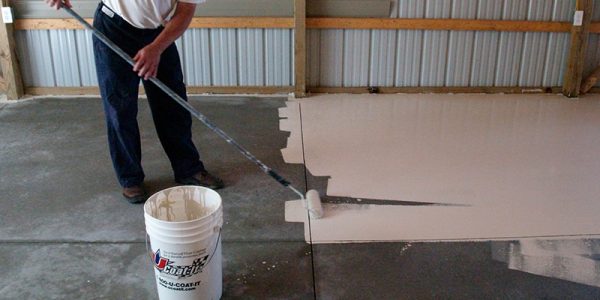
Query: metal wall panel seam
point(460, 45)
point(483, 63)
point(508, 60)
point(290, 54)
point(44, 63)
point(355, 58)
point(92, 79)
point(435, 46)
point(181, 52)
point(205, 53)
point(557, 52)
point(313, 59)
point(382, 59)
point(264, 56)
point(331, 58)
point(535, 45)
point(22, 50)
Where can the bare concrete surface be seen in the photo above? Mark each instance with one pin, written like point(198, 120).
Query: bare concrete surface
point(66, 232)
point(430, 271)
point(62, 185)
point(123, 271)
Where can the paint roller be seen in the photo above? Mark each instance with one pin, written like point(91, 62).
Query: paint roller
point(312, 199)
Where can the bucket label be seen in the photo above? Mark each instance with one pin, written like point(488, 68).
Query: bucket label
point(166, 266)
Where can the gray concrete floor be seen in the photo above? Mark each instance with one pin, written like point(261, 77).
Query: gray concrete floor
point(65, 232)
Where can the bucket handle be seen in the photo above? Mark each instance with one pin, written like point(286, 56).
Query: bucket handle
point(207, 263)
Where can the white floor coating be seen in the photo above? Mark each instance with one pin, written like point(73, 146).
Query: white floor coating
point(518, 165)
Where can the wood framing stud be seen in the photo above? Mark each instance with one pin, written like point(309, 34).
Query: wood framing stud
point(575, 64)
point(300, 48)
point(9, 63)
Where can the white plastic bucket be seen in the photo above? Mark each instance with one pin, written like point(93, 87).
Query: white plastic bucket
point(184, 228)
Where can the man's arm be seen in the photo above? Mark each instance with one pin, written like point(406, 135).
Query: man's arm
point(147, 59)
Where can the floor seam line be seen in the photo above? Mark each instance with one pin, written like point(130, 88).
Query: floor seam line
point(312, 248)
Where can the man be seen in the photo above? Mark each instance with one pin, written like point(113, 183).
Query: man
point(146, 30)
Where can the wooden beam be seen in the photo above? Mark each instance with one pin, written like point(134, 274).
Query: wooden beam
point(435, 90)
point(92, 90)
point(338, 23)
point(9, 63)
point(300, 48)
point(198, 22)
point(231, 22)
point(579, 36)
point(437, 24)
point(48, 24)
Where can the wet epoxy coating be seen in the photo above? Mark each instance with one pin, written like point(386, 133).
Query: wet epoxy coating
point(514, 165)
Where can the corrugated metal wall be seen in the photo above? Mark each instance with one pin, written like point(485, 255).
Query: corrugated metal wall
point(263, 57)
point(445, 58)
point(211, 57)
point(593, 51)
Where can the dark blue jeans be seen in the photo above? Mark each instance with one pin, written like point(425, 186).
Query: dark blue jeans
point(119, 90)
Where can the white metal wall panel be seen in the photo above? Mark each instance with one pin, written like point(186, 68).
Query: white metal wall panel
point(558, 45)
point(255, 57)
point(410, 45)
point(194, 51)
point(435, 45)
point(356, 57)
point(383, 55)
point(460, 46)
point(223, 56)
point(313, 59)
point(511, 45)
point(36, 57)
point(251, 57)
point(278, 57)
point(535, 45)
point(23, 42)
point(485, 47)
point(331, 57)
point(85, 57)
point(64, 58)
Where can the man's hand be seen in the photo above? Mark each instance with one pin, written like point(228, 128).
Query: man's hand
point(57, 3)
point(147, 60)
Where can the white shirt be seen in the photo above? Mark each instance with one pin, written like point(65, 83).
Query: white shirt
point(147, 14)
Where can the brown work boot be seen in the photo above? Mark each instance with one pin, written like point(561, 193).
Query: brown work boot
point(203, 178)
point(135, 194)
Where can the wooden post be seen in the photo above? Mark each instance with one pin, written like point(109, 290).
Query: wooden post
point(12, 80)
point(300, 48)
point(579, 37)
